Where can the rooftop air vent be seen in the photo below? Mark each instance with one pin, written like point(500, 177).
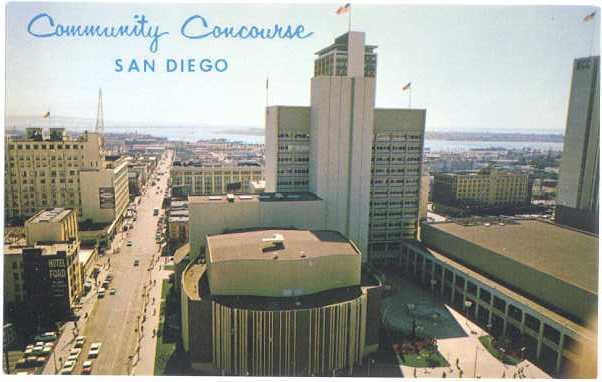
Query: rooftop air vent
point(276, 239)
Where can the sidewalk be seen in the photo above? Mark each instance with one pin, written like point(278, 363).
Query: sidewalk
point(145, 363)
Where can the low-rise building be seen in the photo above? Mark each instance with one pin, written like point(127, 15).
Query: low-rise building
point(210, 215)
point(197, 179)
point(56, 224)
point(104, 191)
point(52, 279)
point(14, 292)
point(530, 281)
point(279, 303)
point(489, 188)
point(44, 268)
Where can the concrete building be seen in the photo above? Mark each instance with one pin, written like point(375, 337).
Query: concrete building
point(211, 215)
point(52, 279)
point(365, 163)
point(212, 180)
point(104, 191)
point(425, 185)
point(177, 223)
point(44, 270)
point(42, 170)
point(578, 188)
point(14, 291)
point(87, 262)
point(530, 281)
point(57, 224)
point(475, 191)
point(279, 303)
point(57, 171)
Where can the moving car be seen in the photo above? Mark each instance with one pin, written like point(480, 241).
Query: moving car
point(155, 212)
point(136, 262)
point(130, 243)
point(94, 350)
point(87, 367)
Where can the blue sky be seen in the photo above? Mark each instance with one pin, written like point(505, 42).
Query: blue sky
point(472, 67)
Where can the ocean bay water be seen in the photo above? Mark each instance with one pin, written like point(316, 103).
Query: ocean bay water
point(433, 145)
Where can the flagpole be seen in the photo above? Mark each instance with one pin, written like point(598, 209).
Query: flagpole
point(410, 98)
point(267, 90)
point(591, 41)
point(350, 9)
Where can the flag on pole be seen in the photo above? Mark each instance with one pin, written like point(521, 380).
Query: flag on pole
point(47, 114)
point(407, 86)
point(589, 17)
point(344, 9)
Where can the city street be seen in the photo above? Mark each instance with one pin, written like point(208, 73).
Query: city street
point(114, 320)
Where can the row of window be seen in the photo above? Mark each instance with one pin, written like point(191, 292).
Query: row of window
point(44, 146)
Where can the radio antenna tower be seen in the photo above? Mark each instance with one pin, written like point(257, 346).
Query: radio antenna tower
point(100, 125)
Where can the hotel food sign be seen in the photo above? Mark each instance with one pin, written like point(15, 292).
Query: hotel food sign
point(57, 273)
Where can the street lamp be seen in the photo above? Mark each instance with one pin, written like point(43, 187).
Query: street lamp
point(433, 284)
point(467, 306)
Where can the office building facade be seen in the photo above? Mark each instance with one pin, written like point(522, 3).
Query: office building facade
point(197, 180)
point(488, 188)
point(578, 187)
point(42, 170)
point(365, 163)
point(48, 170)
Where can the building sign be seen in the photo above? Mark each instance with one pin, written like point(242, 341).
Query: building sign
point(106, 195)
point(57, 275)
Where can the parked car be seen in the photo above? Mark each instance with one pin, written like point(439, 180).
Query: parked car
point(100, 293)
point(130, 243)
point(47, 350)
point(136, 262)
point(38, 350)
point(112, 291)
point(68, 368)
point(79, 341)
point(45, 337)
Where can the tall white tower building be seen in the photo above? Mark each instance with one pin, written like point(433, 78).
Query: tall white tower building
point(578, 187)
point(365, 163)
point(342, 131)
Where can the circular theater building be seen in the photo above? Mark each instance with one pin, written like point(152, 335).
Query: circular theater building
point(279, 303)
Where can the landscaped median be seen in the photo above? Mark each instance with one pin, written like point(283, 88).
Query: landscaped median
point(165, 349)
point(489, 344)
point(419, 354)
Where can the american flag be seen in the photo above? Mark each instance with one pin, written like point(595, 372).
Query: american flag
point(344, 9)
point(407, 86)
